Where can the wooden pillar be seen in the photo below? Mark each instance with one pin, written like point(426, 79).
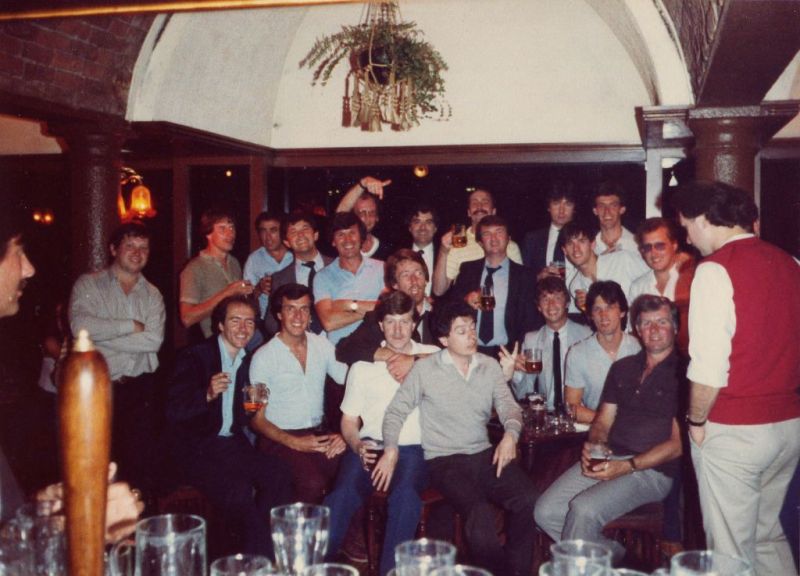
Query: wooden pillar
point(181, 238)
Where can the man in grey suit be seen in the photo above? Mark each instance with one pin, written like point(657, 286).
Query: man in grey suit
point(300, 234)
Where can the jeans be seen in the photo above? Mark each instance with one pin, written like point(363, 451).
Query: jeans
point(354, 485)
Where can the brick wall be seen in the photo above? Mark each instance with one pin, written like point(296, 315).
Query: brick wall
point(80, 63)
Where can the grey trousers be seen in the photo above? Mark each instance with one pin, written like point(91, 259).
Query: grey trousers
point(578, 507)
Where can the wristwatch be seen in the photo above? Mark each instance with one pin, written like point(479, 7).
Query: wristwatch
point(354, 306)
point(691, 422)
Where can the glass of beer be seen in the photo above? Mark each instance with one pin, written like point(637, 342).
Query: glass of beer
point(375, 447)
point(560, 268)
point(580, 299)
point(254, 397)
point(538, 405)
point(459, 235)
point(598, 454)
point(487, 298)
point(533, 360)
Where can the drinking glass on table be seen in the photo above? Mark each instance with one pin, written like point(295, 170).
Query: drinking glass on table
point(460, 570)
point(420, 557)
point(299, 535)
point(575, 569)
point(254, 397)
point(330, 569)
point(708, 562)
point(578, 553)
point(41, 537)
point(242, 565)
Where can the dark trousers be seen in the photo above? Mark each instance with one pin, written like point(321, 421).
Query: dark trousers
point(243, 485)
point(470, 483)
point(133, 429)
point(312, 472)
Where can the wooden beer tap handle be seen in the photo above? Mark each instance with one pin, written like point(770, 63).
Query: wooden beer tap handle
point(85, 419)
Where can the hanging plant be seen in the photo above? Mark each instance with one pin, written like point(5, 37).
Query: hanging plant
point(396, 75)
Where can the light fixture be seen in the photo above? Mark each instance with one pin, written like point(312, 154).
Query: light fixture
point(139, 204)
point(44, 217)
point(420, 170)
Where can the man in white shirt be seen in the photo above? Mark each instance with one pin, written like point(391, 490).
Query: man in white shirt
point(269, 258)
point(124, 314)
point(423, 222)
point(609, 205)
point(551, 298)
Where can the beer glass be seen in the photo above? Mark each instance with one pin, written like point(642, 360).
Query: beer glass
point(560, 268)
point(254, 397)
point(420, 557)
point(576, 568)
point(533, 360)
point(163, 545)
point(598, 454)
point(708, 562)
point(580, 552)
point(330, 569)
point(487, 298)
point(375, 447)
point(460, 570)
point(459, 235)
point(300, 536)
point(15, 557)
point(242, 565)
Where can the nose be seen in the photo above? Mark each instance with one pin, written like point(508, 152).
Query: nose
point(27, 268)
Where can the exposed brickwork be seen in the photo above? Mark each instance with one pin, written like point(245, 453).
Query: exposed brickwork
point(80, 63)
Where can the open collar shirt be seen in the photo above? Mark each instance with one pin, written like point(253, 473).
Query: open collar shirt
point(230, 366)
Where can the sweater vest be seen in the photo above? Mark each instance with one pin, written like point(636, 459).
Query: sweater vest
point(764, 373)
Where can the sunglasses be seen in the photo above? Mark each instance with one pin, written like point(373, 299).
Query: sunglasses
point(657, 246)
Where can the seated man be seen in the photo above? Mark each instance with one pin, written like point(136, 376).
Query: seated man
point(370, 388)
point(553, 339)
point(294, 365)
point(636, 424)
point(456, 390)
point(206, 421)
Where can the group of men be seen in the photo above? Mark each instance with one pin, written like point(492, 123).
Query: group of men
point(424, 376)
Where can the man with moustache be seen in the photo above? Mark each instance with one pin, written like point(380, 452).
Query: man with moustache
point(423, 222)
point(206, 423)
point(269, 258)
point(480, 203)
point(541, 249)
point(362, 200)
point(124, 315)
point(300, 232)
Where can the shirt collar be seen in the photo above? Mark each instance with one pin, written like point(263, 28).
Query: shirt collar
point(226, 359)
point(448, 359)
point(738, 237)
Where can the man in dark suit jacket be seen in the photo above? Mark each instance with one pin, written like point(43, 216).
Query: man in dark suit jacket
point(300, 233)
point(513, 286)
point(543, 246)
point(423, 222)
point(406, 272)
point(206, 422)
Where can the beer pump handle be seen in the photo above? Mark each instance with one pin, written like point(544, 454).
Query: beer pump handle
point(85, 421)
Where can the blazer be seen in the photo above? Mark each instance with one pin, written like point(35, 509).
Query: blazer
point(534, 249)
point(288, 276)
point(521, 313)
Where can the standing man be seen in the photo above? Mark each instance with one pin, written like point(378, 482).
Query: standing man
point(513, 286)
point(423, 222)
point(744, 409)
point(212, 275)
point(609, 206)
point(300, 232)
point(362, 200)
point(637, 429)
point(206, 421)
point(124, 315)
point(456, 390)
point(271, 257)
point(348, 287)
point(543, 247)
point(480, 203)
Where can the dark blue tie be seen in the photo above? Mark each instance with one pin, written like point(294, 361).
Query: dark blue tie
point(486, 330)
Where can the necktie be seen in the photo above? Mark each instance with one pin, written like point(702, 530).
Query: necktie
point(311, 272)
point(486, 331)
point(558, 398)
point(558, 253)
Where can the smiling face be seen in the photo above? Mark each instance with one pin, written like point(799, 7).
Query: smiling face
point(561, 211)
point(609, 211)
point(422, 228)
point(132, 255)
point(239, 325)
point(397, 330)
point(553, 306)
point(656, 330)
point(367, 211)
point(15, 269)
point(222, 236)
point(348, 242)
point(301, 238)
point(410, 279)
point(480, 204)
point(295, 316)
point(269, 234)
point(607, 317)
point(462, 340)
point(579, 250)
point(658, 251)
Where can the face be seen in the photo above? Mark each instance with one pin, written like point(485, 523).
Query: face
point(295, 315)
point(301, 237)
point(397, 329)
point(609, 211)
point(132, 254)
point(480, 205)
point(698, 233)
point(223, 235)
point(367, 211)
point(607, 317)
point(463, 337)
point(656, 330)
point(579, 250)
point(494, 240)
point(561, 211)
point(422, 228)
point(658, 251)
point(239, 325)
point(269, 234)
point(410, 279)
point(15, 269)
point(347, 242)
point(553, 306)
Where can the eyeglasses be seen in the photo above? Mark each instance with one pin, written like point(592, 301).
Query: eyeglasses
point(657, 246)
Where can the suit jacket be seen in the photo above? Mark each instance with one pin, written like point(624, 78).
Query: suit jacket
point(521, 313)
point(287, 276)
point(361, 344)
point(534, 249)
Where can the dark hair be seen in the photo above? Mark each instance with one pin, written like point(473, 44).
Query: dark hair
point(390, 271)
point(721, 204)
point(576, 229)
point(551, 285)
point(609, 291)
point(211, 217)
point(422, 208)
point(133, 229)
point(653, 224)
point(221, 310)
point(609, 188)
point(562, 189)
point(490, 220)
point(343, 221)
point(12, 226)
point(298, 216)
point(270, 215)
point(446, 313)
point(395, 303)
point(290, 291)
point(651, 303)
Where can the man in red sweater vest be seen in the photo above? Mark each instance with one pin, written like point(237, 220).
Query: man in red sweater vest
point(744, 407)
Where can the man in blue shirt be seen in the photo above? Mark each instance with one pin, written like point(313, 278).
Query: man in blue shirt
point(271, 257)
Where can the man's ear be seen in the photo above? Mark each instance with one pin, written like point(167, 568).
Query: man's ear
point(622, 210)
point(443, 340)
